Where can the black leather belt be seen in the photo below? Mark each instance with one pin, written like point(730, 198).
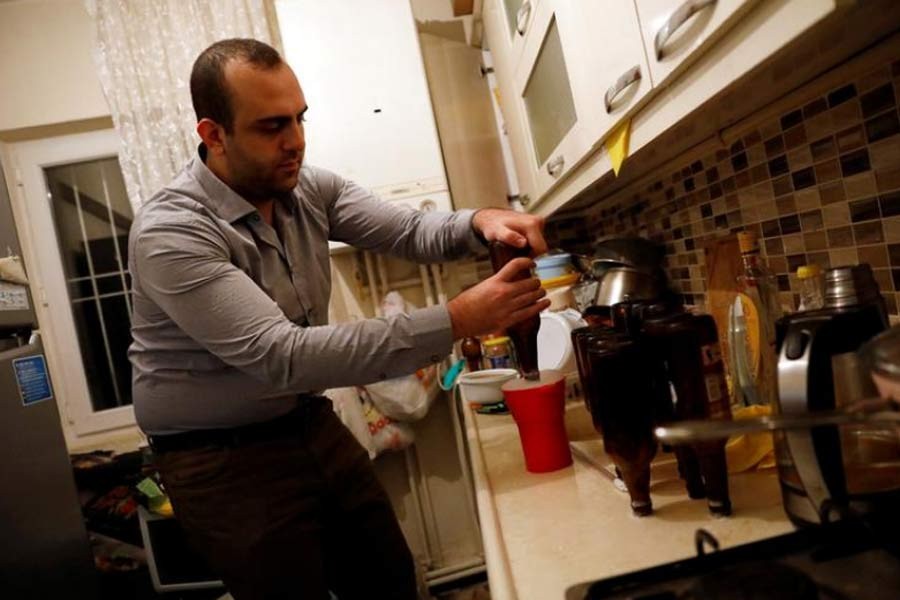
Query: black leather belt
point(280, 427)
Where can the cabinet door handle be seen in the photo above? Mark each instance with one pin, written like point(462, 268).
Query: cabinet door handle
point(555, 166)
point(522, 17)
point(632, 75)
point(682, 14)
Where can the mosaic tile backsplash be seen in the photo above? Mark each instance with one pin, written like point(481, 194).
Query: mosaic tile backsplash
point(820, 184)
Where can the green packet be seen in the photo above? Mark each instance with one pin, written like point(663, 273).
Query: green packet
point(155, 496)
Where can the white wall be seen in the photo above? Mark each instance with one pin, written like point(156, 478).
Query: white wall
point(47, 77)
point(47, 74)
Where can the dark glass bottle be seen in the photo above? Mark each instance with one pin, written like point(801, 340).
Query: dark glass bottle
point(689, 346)
point(523, 334)
point(581, 338)
point(471, 351)
point(622, 398)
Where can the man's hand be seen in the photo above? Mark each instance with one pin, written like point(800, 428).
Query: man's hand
point(497, 302)
point(511, 227)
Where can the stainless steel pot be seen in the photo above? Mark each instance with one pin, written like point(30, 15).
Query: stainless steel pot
point(633, 251)
point(619, 284)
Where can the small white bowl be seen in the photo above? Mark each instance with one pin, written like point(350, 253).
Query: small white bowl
point(483, 387)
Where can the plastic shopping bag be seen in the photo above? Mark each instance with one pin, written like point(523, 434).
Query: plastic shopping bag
point(348, 407)
point(374, 431)
point(406, 398)
point(386, 433)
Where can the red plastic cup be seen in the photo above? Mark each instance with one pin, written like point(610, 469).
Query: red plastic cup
point(538, 408)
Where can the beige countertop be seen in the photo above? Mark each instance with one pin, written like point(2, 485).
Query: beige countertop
point(545, 532)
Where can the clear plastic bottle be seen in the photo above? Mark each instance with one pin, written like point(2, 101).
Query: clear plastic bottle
point(758, 294)
point(812, 288)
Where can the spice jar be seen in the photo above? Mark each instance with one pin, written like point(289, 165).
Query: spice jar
point(471, 350)
point(496, 349)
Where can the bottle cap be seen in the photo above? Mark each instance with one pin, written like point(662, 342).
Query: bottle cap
point(495, 341)
point(808, 271)
point(747, 242)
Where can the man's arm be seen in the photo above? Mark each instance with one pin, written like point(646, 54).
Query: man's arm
point(184, 267)
point(359, 218)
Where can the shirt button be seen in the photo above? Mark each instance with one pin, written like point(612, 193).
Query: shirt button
point(254, 217)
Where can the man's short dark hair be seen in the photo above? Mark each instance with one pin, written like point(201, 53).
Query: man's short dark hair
point(209, 91)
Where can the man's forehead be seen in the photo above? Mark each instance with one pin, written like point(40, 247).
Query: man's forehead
point(253, 86)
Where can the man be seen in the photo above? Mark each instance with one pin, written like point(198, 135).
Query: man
point(231, 284)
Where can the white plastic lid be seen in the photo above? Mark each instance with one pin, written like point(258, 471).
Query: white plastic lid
point(555, 340)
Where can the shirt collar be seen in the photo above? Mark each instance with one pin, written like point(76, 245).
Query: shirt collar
point(220, 198)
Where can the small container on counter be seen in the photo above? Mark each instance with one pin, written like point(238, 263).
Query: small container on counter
point(559, 291)
point(812, 287)
point(471, 351)
point(550, 266)
point(497, 351)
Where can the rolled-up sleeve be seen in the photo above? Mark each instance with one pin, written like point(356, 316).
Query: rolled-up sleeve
point(363, 220)
point(185, 268)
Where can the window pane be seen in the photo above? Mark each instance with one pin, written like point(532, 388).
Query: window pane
point(548, 97)
point(92, 216)
point(65, 217)
point(80, 289)
point(93, 354)
point(118, 329)
point(109, 284)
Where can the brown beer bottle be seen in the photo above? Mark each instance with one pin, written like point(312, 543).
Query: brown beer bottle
point(622, 399)
point(690, 346)
point(524, 333)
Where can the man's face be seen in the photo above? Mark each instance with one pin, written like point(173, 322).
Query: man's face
point(265, 148)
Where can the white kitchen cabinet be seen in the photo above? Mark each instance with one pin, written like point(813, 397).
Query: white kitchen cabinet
point(676, 31)
point(360, 67)
point(581, 69)
point(605, 55)
point(546, 91)
point(705, 46)
point(517, 19)
point(504, 57)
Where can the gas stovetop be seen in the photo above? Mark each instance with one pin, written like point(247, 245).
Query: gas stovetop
point(843, 561)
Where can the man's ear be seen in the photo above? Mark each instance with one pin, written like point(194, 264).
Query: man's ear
point(212, 134)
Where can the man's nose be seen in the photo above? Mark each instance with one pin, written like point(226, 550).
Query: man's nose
point(294, 137)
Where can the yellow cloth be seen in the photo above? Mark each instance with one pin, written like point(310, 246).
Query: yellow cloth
point(164, 509)
point(754, 450)
point(617, 145)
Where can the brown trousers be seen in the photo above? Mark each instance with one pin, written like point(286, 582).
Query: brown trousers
point(292, 517)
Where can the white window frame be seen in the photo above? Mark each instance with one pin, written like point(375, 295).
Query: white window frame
point(37, 234)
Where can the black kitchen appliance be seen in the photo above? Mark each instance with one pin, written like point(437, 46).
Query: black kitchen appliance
point(812, 464)
point(847, 560)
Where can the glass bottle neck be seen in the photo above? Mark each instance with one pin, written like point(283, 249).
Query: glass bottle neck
point(751, 260)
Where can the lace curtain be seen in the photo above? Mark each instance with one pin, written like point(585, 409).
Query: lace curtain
point(144, 51)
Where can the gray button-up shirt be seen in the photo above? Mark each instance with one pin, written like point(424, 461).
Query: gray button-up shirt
point(230, 314)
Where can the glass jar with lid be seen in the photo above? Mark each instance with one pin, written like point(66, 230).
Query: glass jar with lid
point(812, 287)
point(497, 351)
